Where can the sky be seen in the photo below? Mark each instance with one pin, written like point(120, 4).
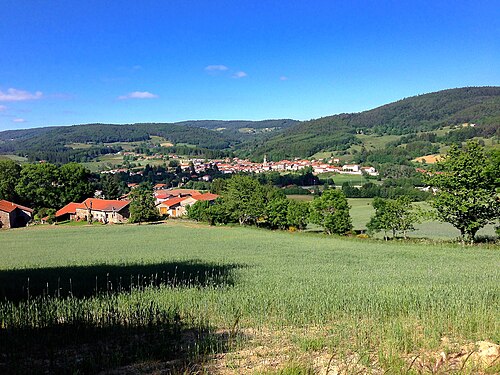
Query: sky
point(74, 62)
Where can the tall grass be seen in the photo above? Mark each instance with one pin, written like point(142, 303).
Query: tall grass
point(365, 295)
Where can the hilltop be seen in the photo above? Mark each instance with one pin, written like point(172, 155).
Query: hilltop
point(436, 119)
point(423, 113)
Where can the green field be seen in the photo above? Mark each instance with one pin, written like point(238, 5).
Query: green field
point(362, 210)
point(18, 159)
point(302, 295)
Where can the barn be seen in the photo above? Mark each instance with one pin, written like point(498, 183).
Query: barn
point(14, 215)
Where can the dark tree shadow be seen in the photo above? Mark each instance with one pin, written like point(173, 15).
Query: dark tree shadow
point(84, 345)
point(86, 281)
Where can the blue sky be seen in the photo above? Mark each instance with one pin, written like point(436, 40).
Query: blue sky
point(72, 62)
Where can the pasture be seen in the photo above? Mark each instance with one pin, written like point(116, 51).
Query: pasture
point(362, 210)
point(300, 296)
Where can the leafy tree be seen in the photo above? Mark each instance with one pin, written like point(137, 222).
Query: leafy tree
point(218, 186)
point(217, 213)
point(198, 211)
point(39, 185)
point(277, 213)
point(466, 196)
point(49, 213)
point(74, 182)
point(331, 211)
point(394, 215)
point(213, 213)
point(298, 214)
point(143, 207)
point(244, 198)
point(9, 176)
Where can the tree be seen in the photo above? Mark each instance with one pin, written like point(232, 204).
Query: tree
point(466, 196)
point(394, 215)
point(10, 173)
point(143, 207)
point(38, 185)
point(112, 186)
point(74, 182)
point(244, 198)
point(331, 211)
point(198, 211)
point(277, 213)
point(298, 214)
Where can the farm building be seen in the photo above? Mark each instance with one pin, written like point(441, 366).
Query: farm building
point(14, 215)
point(103, 210)
point(68, 212)
point(175, 207)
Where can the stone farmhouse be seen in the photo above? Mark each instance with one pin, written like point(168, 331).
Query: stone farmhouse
point(176, 205)
point(103, 210)
point(14, 215)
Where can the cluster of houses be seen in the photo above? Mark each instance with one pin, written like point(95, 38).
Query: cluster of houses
point(169, 202)
point(236, 165)
point(332, 165)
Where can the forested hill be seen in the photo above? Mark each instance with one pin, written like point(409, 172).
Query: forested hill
point(427, 112)
point(51, 143)
point(276, 138)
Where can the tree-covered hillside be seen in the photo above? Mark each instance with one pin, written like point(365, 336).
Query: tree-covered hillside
point(282, 138)
point(50, 143)
point(478, 105)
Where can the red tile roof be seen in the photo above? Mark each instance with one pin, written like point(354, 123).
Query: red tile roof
point(206, 197)
point(173, 201)
point(7, 206)
point(70, 208)
point(183, 192)
point(104, 204)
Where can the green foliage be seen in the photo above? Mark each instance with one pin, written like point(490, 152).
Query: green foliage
point(245, 198)
point(390, 188)
point(49, 213)
point(111, 186)
point(9, 176)
point(277, 213)
point(199, 211)
point(466, 196)
point(74, 182)
point(422, 113)
point(298, 214)
point(394, 215)
point(331, 211)
point(218, 186)
point(39, 185)
point(142, 206)
point(47, 185)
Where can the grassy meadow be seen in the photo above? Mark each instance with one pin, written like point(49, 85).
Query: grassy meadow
point(301, 296)
point(362, 210)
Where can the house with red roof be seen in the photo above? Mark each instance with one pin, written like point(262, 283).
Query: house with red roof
point(14, 215)
point(68, 212)
point(103, 210)
point(177, 206)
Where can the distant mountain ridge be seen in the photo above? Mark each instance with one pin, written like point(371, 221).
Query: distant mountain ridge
point(277, 138)
point(426, 112)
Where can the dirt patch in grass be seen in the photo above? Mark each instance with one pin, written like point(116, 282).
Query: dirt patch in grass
point(429, 159)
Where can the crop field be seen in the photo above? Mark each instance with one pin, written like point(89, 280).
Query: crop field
point(362, 210)
point(240, 300)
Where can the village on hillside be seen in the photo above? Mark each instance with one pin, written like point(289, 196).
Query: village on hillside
point(237, 165)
